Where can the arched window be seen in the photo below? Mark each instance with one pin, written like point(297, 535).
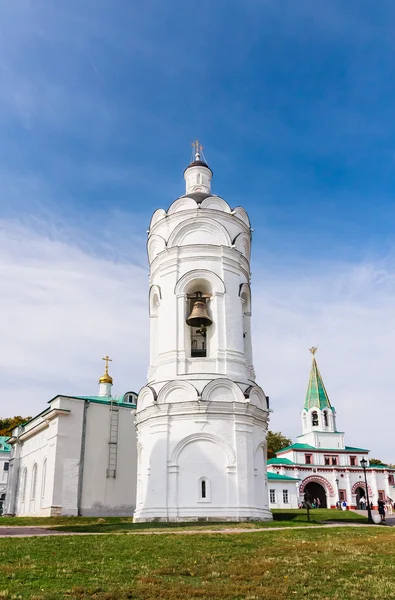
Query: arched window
point(34, 482)
point(24, 482)
point(326, 418)
point(43, 478)
point(204, 490)
point(314, 418)
point(197, 306)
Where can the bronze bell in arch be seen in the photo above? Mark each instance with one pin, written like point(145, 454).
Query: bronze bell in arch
point(199, 316)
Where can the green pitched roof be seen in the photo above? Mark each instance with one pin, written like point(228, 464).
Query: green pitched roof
point(280, 461)
point(316, 395)
point(275, 476)
point(321, 449)
point(4, 447)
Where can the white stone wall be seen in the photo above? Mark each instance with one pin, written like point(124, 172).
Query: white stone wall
point(4, 461)
point(50, 446)
point(279, 487)
point(102, 495)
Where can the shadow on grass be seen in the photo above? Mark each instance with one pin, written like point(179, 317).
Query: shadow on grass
point(281, 518)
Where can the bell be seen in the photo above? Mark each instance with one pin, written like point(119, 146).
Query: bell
point(199, 316)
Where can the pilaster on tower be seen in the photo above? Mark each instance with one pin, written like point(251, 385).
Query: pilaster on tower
point(201, 419)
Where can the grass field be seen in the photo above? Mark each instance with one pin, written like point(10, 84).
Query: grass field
point(284, 518)
point(340, 563)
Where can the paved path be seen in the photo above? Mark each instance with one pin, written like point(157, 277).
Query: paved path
point(43, 531)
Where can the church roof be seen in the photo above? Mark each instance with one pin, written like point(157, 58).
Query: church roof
point(197, 196)
point(198, 163)
point(280, 461)
point(322, 449)
point(4, 447)
point(276, 476)
point(316, 396)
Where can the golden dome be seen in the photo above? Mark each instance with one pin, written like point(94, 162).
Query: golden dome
point(106, 378)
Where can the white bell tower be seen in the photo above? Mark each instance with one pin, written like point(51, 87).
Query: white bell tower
point(201, 419)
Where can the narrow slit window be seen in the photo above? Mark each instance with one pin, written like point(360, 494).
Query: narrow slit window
point(203, 489)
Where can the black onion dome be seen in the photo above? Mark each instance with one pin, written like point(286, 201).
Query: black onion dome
point(198, 163)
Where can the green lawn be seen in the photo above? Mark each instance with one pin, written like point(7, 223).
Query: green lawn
point(282, 518)
point(340, 563)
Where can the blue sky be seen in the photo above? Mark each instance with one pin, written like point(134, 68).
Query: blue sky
point(293, 101)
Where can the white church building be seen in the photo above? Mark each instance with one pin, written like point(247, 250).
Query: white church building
point(77, 457)
point(320, 462)
point(201, 419)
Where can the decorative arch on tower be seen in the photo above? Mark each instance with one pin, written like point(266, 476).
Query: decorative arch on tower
point(256, 396)
point(361, 484)
point(262, 444)
point(317, 479)
point(177, 391)
point(158, 215)
point(222, 390)
point(199, 277)
point(208, 437)
point(182, 204)
point(245, 295)
point(155, 296)
point(199, 231)
point(155, 245)
point(241, 214)
point(242, 243)
point(147, 397)
point(216, 203)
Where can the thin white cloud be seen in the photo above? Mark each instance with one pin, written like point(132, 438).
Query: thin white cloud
point(62, 308)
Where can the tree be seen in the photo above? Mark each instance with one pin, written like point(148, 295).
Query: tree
point(375, 461)
point(8, 424)
point(275, 442)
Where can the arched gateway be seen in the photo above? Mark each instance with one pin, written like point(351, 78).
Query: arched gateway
point(318, 487)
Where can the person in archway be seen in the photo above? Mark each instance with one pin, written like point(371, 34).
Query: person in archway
point(362, 503)
point(381, 506)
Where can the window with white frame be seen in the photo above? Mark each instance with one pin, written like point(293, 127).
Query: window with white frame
point(285, 497)
point(272, 496)
point(24, 483)
point(43, 478)
point(6, 466)
point(34, 482)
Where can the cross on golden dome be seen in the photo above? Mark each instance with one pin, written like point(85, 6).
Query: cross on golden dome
point(106, 378)
point(313, 350)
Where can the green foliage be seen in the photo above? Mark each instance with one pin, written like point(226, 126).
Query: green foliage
point(275, 442)
point(8, 424)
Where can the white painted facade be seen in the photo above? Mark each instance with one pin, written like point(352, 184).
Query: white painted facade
point(60, 460)
point(201, 419)
point(324, 464)
point(283, 491)
point(4, 469)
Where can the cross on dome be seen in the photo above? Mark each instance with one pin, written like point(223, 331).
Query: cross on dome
point(197, 148)
point(106, 378)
